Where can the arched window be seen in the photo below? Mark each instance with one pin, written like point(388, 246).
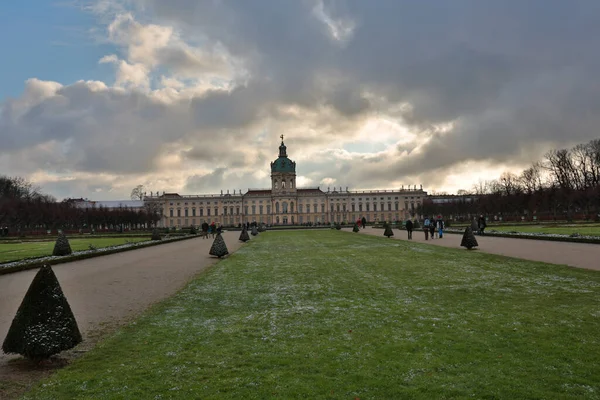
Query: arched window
point(276, 186)
point(292, 206)
point(284, 206)
point(291, 184)
point(277, 208)
point(283, 184)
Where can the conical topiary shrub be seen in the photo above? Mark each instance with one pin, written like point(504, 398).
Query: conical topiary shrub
point(244, 237)
point(388, 231)
point(193, 230)
point(254, 231)
point(468, 239)
point(355, 228)
point(156, 235)
point(44, 324)
point(338, 226)
point(62, 246)
point(218, 248)
point(262, 228)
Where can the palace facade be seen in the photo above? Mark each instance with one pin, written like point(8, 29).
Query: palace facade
point(285, 204)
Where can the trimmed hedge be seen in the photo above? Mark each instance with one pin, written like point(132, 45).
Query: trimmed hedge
point(44, 324)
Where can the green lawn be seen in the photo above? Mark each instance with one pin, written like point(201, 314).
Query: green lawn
point(28, 249)
point(338, 315)
point(564, 229)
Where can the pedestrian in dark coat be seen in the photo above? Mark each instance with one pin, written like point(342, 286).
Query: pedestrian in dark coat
point(409, 228)
point(482, 224)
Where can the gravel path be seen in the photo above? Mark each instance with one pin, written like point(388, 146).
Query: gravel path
point(111, 289)
point(579, 255)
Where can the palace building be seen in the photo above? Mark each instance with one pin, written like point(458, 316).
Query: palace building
point(286, 204)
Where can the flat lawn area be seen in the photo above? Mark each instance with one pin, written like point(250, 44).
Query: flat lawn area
point(28, 249)
point(330, 314)
point(564, 229)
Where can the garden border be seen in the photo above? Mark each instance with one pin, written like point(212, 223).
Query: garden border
point(529, 236)
point(37, 262)
point(584, 239)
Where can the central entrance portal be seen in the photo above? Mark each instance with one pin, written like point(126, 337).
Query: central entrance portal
point(285, 220)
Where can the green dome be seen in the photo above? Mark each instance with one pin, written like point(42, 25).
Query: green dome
point(283, 163)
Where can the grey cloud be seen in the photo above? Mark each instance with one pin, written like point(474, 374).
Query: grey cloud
point(349, 102)
point(221, 179)
point(222, 109)
point(460, 60)
point(515, 78)
point(200, 183)
point(124, 132)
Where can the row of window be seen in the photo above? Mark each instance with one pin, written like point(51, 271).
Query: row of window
point(299, 201)
point(285, 209)
point(289, 209)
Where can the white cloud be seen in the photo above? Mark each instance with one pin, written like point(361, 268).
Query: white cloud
point(340, 28)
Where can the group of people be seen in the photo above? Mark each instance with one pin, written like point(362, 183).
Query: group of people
point(211, 229)
point(431, 227)
point(361, 222)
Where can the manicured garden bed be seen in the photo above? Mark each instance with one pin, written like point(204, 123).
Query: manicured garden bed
point(332, 314)
point(574, 237)
point(552, 229)
point(32, 248)
point(36, 262)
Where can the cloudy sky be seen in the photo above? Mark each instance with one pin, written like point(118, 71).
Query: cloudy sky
point(191, 96)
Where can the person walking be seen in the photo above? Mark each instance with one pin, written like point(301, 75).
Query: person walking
point(426, 223)
point(205, 230)
point(440, 227)
point(409, 228)
point(482, 224)
point(475, 225)
point(364, 222)
point(432, 228)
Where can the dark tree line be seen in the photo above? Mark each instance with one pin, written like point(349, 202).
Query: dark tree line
point(24, 209)
point(564, 185)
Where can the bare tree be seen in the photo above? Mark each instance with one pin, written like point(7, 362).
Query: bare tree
point(137, 193)
point(531, 178)
point(508, 184)
point(153, 210)
point(482, 187)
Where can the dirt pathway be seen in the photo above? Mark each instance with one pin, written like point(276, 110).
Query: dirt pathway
point(579, 255)
point(112, 289)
